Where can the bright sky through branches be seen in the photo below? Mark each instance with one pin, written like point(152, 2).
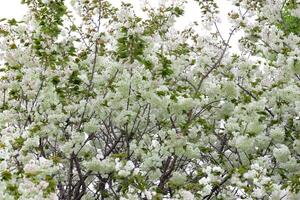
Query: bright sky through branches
point(14, 9)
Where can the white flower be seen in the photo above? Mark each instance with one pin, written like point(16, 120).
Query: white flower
point(187, 195)
point(277, 134)
point(296, 12)
point(147, 194)
point(255, 127)
point(123, 173)
point(291, 165)
point(297, 146)
point(127, 169)
point(155, 144)
point(217, 169)
point(178, 178)
point(129, 165)
point(84, 78)
point(258, 193)
point(262, 141)
point(256, 167)
point(154, 175)
point(102, 166)
point(282, 153)
point(227, 108)
point(250, 174)
point(244, 143)
point(204, 181)
point(43, 184)
point(31, 168)
point(91, 126)
point(206, 190)
point(229, 89)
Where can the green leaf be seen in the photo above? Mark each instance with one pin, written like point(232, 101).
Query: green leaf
point(6, 175)
point(119, 155)
point(52, 184)
point(13, 190)
point(13, 46)
point(12, 22)
point(55, 80)
point(178, 11)
point(3, 32)
point(18, 143)
point(74, 79)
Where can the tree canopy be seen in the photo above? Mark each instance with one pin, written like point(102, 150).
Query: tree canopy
point(97, 102)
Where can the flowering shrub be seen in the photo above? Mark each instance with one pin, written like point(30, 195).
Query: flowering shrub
point(100, 103)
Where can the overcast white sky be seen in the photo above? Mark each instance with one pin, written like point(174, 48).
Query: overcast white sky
point(14, 9)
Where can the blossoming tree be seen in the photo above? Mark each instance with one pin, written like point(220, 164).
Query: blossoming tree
point(100, 103)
